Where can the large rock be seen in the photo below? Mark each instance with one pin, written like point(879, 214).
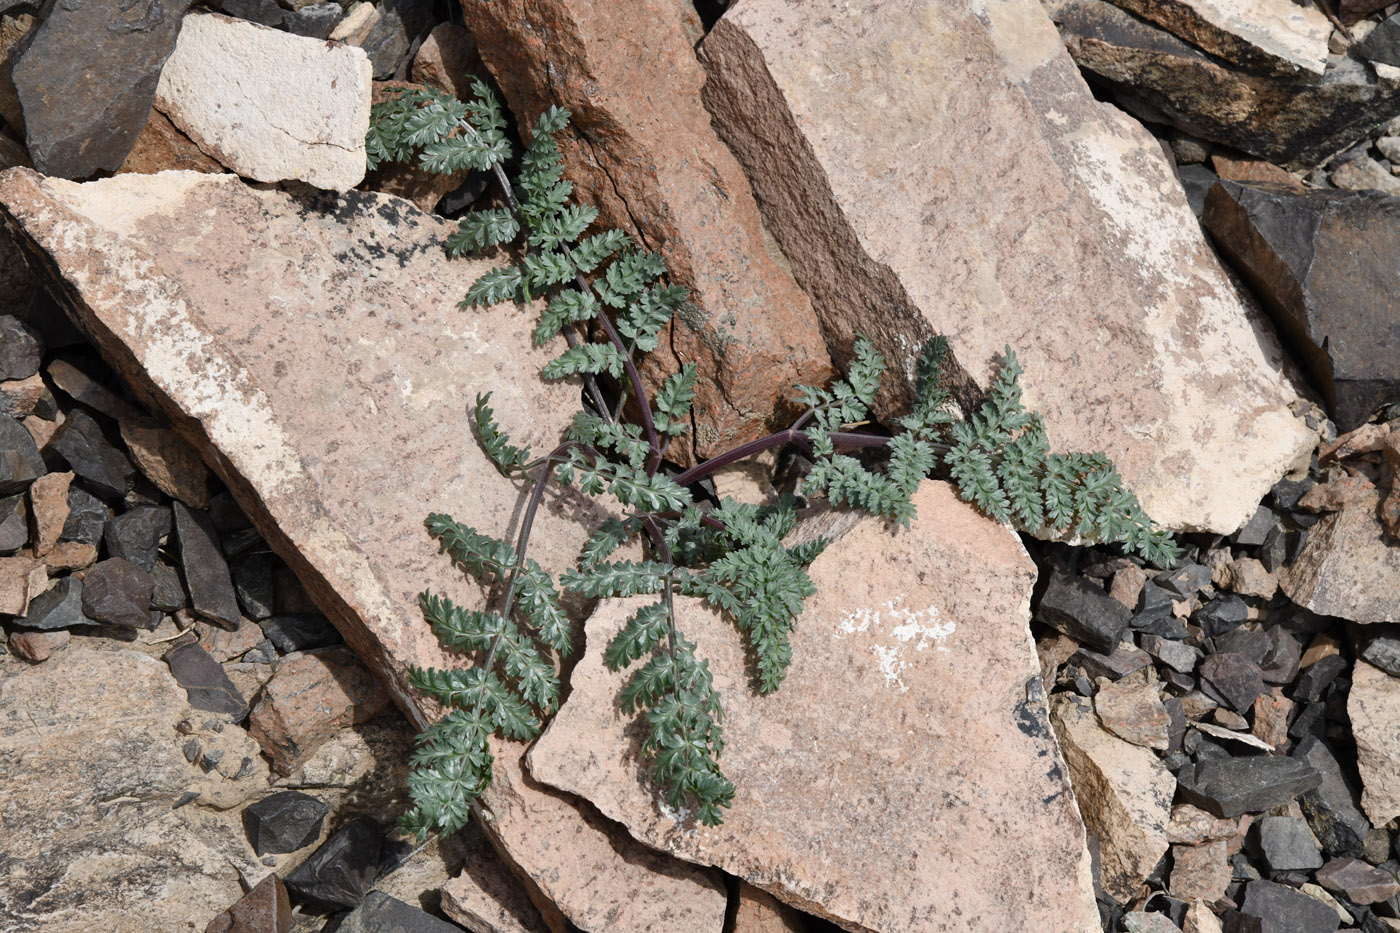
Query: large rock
point(1374, 708)
point(87, 78)
point(1265, 36)
point(1125, 793)
point(299, 109)
point(1323, 263)
point(1294, 120)
point(925, 793)
point(946, 170)
point(210, 297)
point(1348, 567)
point(88, 836)
point(641, 149)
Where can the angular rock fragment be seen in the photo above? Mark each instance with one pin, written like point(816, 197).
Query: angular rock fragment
point(1235, 678)
point(1364, 174)
point(87, 517)
point(299, 632)
point(1264, 36)
point(136, 535)
point(38, 646)
point(48, 510)
point(161, 147)
point(379, 912)
point(1383, 651)
point(958, 586)
point(1320, 262)
point(20, 463)
point(169, 594)
point(1083, 612)
point(315, 20)
point(20, 349)
point(352, 526)
point(222, 645)
point(21, 397)
point(86, 81)
point(1200, 872)
point(60, 606)
point(1361, 883)
point(1374, 707)
point(21, 579)
point(485, 898)
point(1287, 911)
point(206, 573)
point(264, 909)
point(284, 822)
point(339, 873)
point(1286, 844)
point(118, 592)
point(103, 467)
point(448, 59)
point(400, 24)
point(640, 147)
point(205, 682)
point(84, 389)
point(14, 526)
point(168, 462)
point(1230, 787)
point(299, 110)
point(1110, 220)
point(1134, 712)
point(1347, 568)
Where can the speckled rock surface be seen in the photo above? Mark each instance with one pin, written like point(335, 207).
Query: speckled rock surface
point(211, 297)
point(1349, 567)
point(1374, 708)
point(869, 785)
point(1062, 232)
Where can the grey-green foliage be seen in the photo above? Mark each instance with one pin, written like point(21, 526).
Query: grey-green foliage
point(608, 298)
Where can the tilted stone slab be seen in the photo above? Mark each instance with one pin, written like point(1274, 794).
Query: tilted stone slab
point(904, 776)
point(1268, 36)
point(945, 169)
point(311, 349)
point(1374, 708)
point(1349, 567)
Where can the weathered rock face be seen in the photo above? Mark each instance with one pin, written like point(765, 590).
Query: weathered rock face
point(871, 804)
point(1374, 708)
point(640, 148)
point(87, 79)
point(298, 111)
point(210, 297)
point(1324, 264)
point(1078, 248)
point(160, 147)
point(1294, 120)
point(88, 837)
point(1266, 36)
point(1349, 567)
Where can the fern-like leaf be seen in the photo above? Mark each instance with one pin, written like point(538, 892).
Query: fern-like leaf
point(507, 458)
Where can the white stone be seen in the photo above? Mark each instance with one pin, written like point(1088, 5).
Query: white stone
point(269, 105)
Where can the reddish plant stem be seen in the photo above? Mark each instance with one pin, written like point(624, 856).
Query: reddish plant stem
point(790, 436)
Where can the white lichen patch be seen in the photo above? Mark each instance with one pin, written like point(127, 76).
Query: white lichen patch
point(898, 630)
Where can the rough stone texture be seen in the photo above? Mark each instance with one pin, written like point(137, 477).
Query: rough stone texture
point(1365, 174)
point(207, 575)
point(1134, 712)
point(19, 398)
point(1229, 787)
point(1200, 872)
point(311, 697)
point(448, 60)
point(1270, 36)
point(340, 872)
point(758, 911)
point(1124, 792)
point(1361, 883)
point(84, 389)
point(640, 148)
point(38, 646)
point(21, 579)
point(484, 897)
point(160, 147)
point(1348, 567)
point(903, 621)
point(1374, 708)
point(284, 822)
point(1082, 611)
point(168, 462)
point(1133, 340)
point(347, 516)
point(20, 349)
point(1295, 121)
point(87, 78)
point(118, 592)
point(264, 909)
point(48, 510)
point(380, 913)
point(206, 684)
point(1321, 263)
point(88, 837)
point(136, 535)
point(1286, 844)
point(60, 606)
point(1287, 911)
point(298, 111)
point(20, 462)
point(81, 442)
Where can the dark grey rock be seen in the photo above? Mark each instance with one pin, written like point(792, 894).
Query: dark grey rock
point(205, 682)
point(1321, 262)
point(1317, 677)
point(1383, 44)
point(118, 592)
point(1359, 882)
point(340, 872)
point(20, 462)
point(1251, 642)
point(380, 913)
point(226, 514)
point(1176, 730)
point(1196, 180)
point(1331, 807)
point(191, 749)
point(252, 581)
point(284, 822)
point(1124, 660)
point(104, 468)
point(1286, 844)
point(1083, 612)
point(1274, 551)
point(1383, 649)
point(1284, 910)
point(60, 606)
point(1184, 581)
point(135, 535)
point(262, 12)
point(237, 543)
point(1234, 677)
point(1310, 720)
point(389, 40)
point(1220, 615)
point(14, 524)
point(1177, 655)
point(207, 577)
point(20, 349)
point(264, 652)
point(169, 593)
point(88, 78)
point(1287, 492)
point(1280, 661)
point(1257, 528)
point(1230, 787)
point(211, 760)
point(1201, 748)
point(316, 20)
point(71, 376)
point(87, 517)
point(299, 632)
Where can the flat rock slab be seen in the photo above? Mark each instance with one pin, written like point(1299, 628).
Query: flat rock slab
point(312, 350)
point(91, 769)
point(1270, 36)
point(1374, 707)
point(869, 785)
point(1062, 231)
point(299, 109)
point(1349, 567)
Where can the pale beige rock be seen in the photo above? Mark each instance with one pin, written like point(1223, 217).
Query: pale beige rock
point(1200, 872)
point(211, 297)
point(484, 897)
point(1199, 919)
point(1374, 708)
point(21, 579)
point(298, 110)
point(88, 835)
point(1271, 711)
point(168, 462)
point(1134, 712)
point(1124, 792)
point(1347, 568)
point(221, 644)
point(1062, 232)
point(19, 396)
point(1127, 585)
point(359, 19)
point(1249, 578)
point(70, 555)
point(760, 912)
point(1365, 174)
point(40, 429)
point(48, 510)
point(868, 785)
point(1274, 35)
point(1141, 921)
